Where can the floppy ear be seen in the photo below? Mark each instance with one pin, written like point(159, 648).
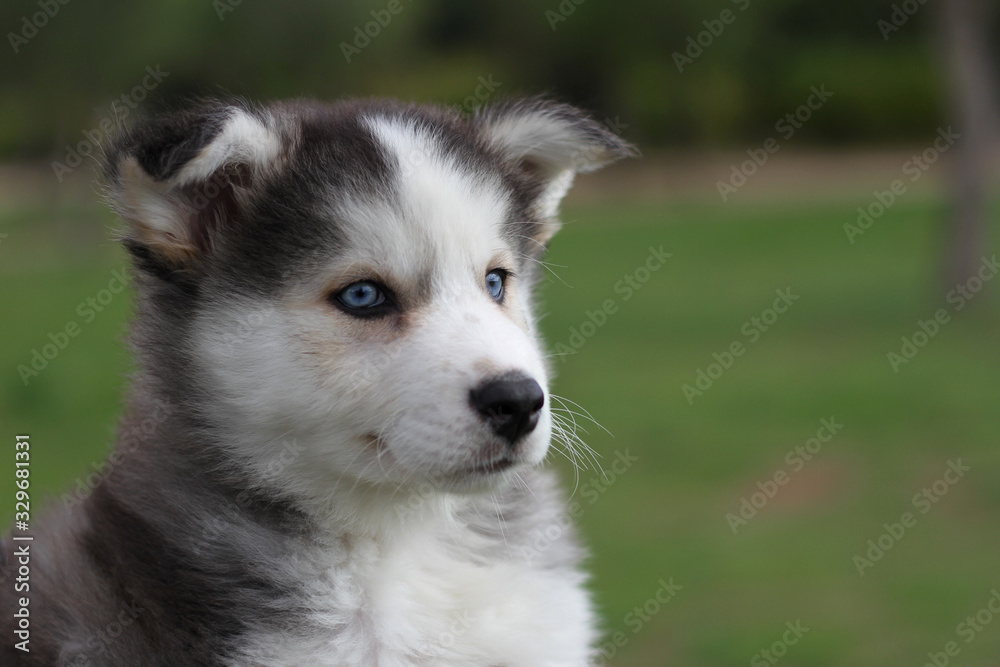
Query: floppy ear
point(550, 142)
point(180, 179)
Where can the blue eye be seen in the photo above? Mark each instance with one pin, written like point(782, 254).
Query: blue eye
point(361, 295)
point(494, 284)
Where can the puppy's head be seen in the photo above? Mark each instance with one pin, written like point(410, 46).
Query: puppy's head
point(341, 292)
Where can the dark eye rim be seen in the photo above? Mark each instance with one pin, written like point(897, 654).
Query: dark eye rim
point(388, 304)
point(504, 277)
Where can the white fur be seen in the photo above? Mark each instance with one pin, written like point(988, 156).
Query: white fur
point(149, 204)
point(415, 599)
point(446, 233)
point(160, 213)
point(392, 588)
point(554, 192)
point(244, 139)
point(549, 141)
point(559, 149)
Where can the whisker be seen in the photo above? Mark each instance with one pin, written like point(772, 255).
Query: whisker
point(502, 523)
point(565, 430)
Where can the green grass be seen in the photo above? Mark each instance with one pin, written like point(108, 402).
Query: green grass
point(664, 517)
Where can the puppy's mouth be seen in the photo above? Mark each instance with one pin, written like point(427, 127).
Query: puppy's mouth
point(493, 466)
point(487, 468)
point(375, 442)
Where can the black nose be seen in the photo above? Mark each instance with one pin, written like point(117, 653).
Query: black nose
point(510, 404)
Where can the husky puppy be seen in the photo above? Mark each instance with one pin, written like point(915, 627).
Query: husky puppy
point(330, 449)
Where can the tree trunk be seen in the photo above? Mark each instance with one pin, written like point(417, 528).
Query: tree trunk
point(971, 105)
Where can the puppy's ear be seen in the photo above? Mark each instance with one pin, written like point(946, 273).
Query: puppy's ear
point(551, 143)
point(179, 180)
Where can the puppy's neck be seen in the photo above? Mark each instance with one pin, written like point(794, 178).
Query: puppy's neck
point(381, 512)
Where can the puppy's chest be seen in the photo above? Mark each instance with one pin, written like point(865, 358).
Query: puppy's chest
point(421, 603)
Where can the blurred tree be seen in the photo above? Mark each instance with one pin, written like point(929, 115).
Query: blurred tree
point(972, 101)
point(613, 58)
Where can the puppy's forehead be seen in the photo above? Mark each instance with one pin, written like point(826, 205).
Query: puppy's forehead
point(397, 192)
point(440, 202)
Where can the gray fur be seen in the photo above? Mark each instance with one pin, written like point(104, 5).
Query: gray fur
point(181, 553)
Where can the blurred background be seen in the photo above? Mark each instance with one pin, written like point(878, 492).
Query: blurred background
point(798, 408)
